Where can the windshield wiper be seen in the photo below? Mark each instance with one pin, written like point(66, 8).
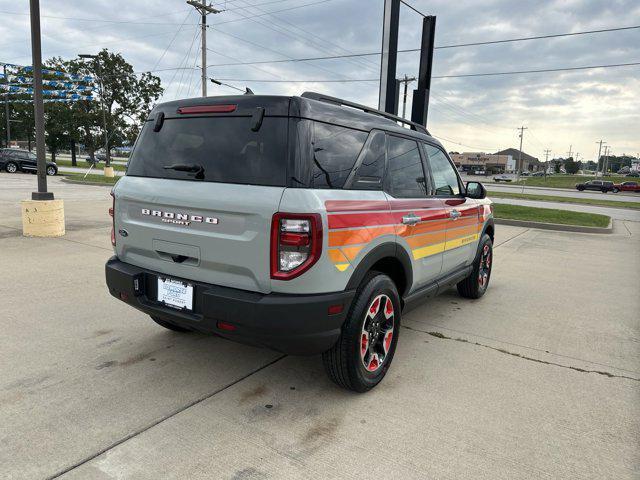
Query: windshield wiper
point(188, 167)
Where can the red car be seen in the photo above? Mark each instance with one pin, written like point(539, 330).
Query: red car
point(628, 187)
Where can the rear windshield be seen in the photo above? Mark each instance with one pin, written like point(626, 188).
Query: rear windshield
point(225, 147)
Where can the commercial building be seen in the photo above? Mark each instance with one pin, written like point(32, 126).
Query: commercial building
point(488, 163)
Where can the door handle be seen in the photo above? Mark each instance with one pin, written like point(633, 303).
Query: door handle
point(455, 214)
point(410, 219)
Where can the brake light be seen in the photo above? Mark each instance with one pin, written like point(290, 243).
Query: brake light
point(207, 109)
point(112, 212)
point(296, 244)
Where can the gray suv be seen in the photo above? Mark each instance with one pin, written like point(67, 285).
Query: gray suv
point(303, 224)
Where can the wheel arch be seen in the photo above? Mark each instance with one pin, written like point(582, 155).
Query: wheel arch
point(390, 259)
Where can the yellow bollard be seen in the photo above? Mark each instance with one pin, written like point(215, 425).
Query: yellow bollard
point(42, 218)
point(109, 172)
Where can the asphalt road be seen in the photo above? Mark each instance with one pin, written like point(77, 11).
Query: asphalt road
point(538, 379)
point(563, 192)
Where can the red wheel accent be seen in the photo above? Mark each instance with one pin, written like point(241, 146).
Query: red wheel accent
point(387, 341)
point(377, 333)
point(375, 306)
point(364, 344)
point(388, 308)
point(374, 363)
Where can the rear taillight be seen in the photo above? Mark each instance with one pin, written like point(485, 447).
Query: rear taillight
point(296, 244)
point(112, 212)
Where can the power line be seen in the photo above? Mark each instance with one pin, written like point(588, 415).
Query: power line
point(350, 80)
point(371, 54)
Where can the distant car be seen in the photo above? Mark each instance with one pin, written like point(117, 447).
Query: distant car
point(627, 187)
point(538, 174)
point(98, 157)
point(502, 178)
point(525, 174)
point(15, 160)
point(597, 185)
point(633, 174)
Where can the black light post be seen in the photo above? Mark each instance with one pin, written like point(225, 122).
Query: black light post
point(36, 53)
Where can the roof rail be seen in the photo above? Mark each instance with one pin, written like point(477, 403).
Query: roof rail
point(338, 101)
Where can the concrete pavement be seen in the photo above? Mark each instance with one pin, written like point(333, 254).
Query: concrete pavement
point(539, 379)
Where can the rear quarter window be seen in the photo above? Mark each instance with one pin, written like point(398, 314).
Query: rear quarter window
point(334, 153)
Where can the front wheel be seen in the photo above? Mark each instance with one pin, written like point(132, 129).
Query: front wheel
point(11, 167)
point(51, 170)
point(362, 355)
point(477, 282)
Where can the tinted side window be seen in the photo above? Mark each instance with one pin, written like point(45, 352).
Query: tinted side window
point(444, 176)
point(335, 150)
point(405, 172)
point(371, 169)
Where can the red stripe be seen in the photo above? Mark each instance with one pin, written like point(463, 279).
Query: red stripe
point(421, 203)
point(351, 220)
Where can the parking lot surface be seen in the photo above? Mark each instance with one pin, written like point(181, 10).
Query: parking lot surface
point(538, 379)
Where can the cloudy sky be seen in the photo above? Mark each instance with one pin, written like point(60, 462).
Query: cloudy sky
point(469, 114)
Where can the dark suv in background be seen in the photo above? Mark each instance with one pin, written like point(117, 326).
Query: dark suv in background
point(597, 185)
point(13, 160)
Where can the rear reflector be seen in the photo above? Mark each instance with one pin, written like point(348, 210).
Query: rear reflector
point(207, 109)
point(335, 309)
point(226, 326)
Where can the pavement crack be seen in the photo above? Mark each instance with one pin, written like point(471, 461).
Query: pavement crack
point(509, 239)
point(523, 357)
point(162, 419)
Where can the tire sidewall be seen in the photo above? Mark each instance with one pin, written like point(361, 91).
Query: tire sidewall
point(378, 284)
point(11, 165)
point(485, 240)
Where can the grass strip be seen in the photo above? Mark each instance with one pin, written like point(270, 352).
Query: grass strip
point(549, 215)
point(558, 199)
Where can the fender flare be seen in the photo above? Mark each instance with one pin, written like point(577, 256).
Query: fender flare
point(385, 250)
point(487, 224)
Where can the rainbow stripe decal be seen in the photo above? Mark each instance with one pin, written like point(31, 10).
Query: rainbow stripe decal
point(353, 224)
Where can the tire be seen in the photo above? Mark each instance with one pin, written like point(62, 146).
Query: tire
point(170, 326)
point(476, 284)
point(615, 190)
point(11, 167)
point(604, 190)
point(362, 355)
point(580, 189)
point(51, 170)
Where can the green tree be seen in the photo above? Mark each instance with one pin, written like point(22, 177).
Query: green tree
point(571, 166)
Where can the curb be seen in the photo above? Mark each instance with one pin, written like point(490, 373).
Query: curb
point(555, 226)
point(79, 182)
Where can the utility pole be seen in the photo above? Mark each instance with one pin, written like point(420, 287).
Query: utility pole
point(6, 108)
point(570, 150)
point(406, 81)
point(598, 159)
point(204, 10)
point(546, 162)
point(519, 167)
point(605, 163)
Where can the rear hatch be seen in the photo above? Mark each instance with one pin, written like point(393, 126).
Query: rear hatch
point(207, 218)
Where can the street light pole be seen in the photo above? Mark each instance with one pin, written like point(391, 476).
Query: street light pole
point(36, 53)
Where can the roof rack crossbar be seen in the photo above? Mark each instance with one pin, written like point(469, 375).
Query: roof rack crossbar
point(339, 101)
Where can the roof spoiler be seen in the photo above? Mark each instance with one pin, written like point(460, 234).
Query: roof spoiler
point(338, 101)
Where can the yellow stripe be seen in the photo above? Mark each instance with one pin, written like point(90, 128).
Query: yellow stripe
point(458, 242)
point(422, 252)
point(342, 266)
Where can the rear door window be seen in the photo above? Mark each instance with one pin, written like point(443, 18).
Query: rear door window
point(225, 147)
point(335, 150)
point(405, 171)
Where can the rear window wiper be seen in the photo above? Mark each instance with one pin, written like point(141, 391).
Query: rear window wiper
point(188, 167)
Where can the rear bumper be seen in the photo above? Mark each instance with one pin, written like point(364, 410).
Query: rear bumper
point(292, 324)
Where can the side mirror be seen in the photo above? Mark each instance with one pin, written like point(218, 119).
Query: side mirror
point(475, 190)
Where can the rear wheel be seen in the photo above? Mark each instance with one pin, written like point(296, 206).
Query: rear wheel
point(477, 282)
point(51, 170)
point(11, 167)
point(170, 326)
point(362, 356)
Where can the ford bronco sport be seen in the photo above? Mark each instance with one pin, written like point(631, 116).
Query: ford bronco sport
point(304, 224)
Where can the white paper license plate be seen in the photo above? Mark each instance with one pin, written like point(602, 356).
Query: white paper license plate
point(175, 293)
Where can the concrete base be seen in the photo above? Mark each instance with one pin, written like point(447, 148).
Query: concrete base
point(43, 218)
point(109, 172)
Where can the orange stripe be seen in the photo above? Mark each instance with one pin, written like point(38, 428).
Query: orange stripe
point(360, 235)
point(461, 232)
point(336, 256)
point(352, 252)
point(426, 239)
point(406, 231)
